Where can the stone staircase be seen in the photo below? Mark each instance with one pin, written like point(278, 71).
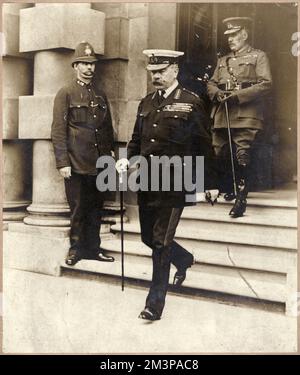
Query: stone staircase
point(250, 257)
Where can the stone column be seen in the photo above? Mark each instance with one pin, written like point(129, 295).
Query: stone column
point(49, 33)
point(17, 159)
point(17, 155)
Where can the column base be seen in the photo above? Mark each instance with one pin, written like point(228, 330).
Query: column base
point(35, 249)
point(14, 212)
point(48, 215)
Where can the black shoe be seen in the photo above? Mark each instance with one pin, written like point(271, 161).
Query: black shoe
point(149, 314)
point(180, 274)
point(239, 208)
point(179, 278)
point(73, 257)
point(100, 256)
point(229, 197)
point(104, 258)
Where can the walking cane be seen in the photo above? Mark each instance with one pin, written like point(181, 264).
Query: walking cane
point(122, 226)
point(230, 147)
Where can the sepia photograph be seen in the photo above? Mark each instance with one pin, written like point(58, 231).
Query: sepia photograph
point(149, 177)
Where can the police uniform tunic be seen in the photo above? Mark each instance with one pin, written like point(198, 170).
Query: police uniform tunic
point(82, 128)
point(81, 132)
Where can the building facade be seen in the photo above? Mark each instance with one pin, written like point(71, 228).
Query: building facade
point(39, 43)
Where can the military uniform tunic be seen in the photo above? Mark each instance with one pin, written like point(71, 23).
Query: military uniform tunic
point(177, 126)
point(247, 74)
point(248, 71)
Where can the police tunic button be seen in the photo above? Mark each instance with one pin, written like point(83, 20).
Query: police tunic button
point(96, 130)
point(152, 140)
point(96, 144)
point(158, 110)
point(154, 125)
point(175, 116)
point(95, 116)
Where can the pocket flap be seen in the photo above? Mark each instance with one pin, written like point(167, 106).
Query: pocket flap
point(144, 114)
point(248, 62)
point(101, 102)
point(176, 115)
point(78, 105)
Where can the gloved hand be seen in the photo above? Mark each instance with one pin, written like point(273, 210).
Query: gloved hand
point(122, 165)
point(211, 196)
point(231, 98)
point(65, 172)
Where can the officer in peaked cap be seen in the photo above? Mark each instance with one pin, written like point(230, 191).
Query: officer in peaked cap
point(161, 59)
point(243, 79)
point(170, 121)
point(81, 132)
point(234, 24)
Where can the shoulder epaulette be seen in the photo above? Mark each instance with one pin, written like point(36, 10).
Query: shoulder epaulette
point(150, 94)
point(191, 92)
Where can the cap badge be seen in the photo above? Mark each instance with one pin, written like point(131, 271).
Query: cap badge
point(88, 51)
point(153, 59)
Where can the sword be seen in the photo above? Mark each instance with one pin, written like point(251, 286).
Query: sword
point(230, 143)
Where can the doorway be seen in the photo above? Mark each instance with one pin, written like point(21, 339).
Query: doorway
point(200, 36)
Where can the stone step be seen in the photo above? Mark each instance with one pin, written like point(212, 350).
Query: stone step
point(218, 254)
point(225, 232)
point(246, 283)
point(270, 198)
point(254, 215)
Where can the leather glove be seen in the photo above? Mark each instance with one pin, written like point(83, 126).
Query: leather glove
point(221, 95)
point(230, 99)
point(65, 172)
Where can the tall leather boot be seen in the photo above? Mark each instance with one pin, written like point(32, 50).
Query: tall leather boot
point(240, 204)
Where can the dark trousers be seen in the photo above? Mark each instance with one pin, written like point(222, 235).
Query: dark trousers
point(85, 202)
point(242, 140)
point(158, 227)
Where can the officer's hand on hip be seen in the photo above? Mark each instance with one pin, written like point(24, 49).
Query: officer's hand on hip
point(65, 172)
point(122, 165)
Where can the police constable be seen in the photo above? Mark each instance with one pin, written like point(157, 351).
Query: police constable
point(170, 121)
point(243, 79)
point(81, 132)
